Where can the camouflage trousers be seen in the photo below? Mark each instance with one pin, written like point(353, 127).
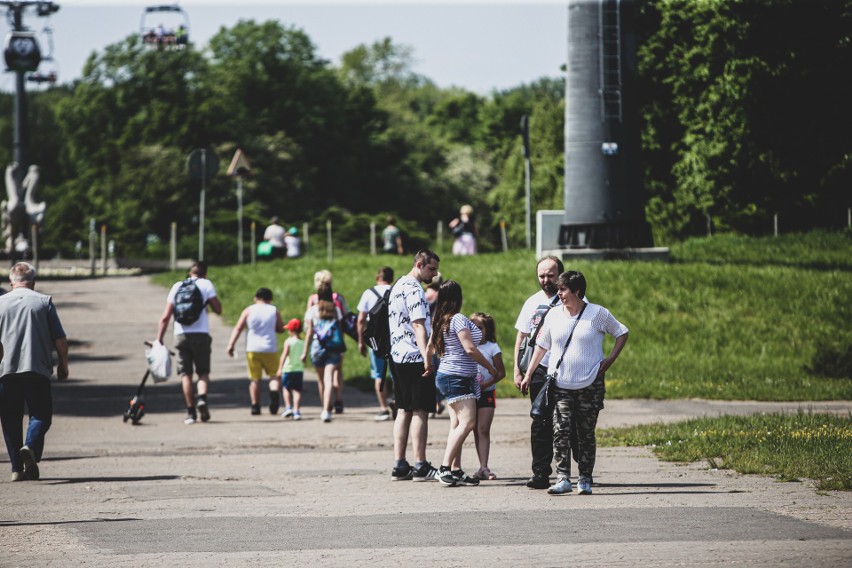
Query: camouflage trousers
point(575, 416)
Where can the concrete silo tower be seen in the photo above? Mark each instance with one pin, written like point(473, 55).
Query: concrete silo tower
point(604, 195)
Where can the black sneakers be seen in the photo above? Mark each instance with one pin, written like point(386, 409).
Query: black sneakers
point(465, 479)
point(425, 473)
point(402, 473)
point(203, 411)
point(30, 465)
point(446, 478)
point(539, 482)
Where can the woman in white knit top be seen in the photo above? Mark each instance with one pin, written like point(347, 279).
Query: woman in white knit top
point(579, 368)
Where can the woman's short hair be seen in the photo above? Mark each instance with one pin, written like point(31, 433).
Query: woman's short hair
point(322, 277)
point(574, 281)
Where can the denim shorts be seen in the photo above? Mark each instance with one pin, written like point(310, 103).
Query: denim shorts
point(321, 357)
point(293, 380)
point(456, 387)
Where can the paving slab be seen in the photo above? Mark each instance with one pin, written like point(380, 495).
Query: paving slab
point(246, 490)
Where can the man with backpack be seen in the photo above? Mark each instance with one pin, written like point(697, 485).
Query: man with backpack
point(187, 302)
point(410, 325)
point(370, 299)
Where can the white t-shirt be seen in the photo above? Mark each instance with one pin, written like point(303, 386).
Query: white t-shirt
point(292, 244)
point(407, 303)
point(583, 358)
point(368, 299)
point(200, 325)
point(274, 234)
point(489, 350)
point(531, 314)
point(260, 329)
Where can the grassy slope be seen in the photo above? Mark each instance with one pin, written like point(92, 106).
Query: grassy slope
point(730, 318)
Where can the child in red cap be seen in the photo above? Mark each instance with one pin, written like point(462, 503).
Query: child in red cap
point(291, 370)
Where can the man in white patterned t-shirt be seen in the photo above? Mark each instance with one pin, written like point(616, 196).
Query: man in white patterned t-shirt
point(413, 373)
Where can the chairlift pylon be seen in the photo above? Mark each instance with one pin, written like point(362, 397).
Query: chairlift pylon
point(158, 35)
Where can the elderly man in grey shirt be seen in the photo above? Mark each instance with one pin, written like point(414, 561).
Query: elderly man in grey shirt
point(29, 331)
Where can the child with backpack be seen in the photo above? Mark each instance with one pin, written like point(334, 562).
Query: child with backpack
point(348, 323)
point(291, 370)
point(487, 400)
point(262, 321)
point(324, 341)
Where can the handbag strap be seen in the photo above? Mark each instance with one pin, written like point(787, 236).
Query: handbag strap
point(565, 349)
point(534, 334)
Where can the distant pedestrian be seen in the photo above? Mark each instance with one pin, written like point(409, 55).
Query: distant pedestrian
point(455, 339)
point(324, 341)
point(574, 332)
point(29, 331)
point(291, 369)
point(412, 367)
point(192, 340)
point(263, 321)
point(324, 278)
point(487, 401)
point(465, 231)
point(293, 243)
point(274, 235)
point(392, 237)
point(378, 365)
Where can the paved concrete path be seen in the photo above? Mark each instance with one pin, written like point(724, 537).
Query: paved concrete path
point(262, 491)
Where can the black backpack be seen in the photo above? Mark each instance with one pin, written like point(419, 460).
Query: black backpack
point(377, 326)
point(189, 303)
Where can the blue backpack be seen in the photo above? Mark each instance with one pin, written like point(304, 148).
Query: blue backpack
point(329, 335)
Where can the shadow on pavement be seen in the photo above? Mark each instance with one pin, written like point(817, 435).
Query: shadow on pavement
point(17, 524)
point(124, 479)
point(78, 397)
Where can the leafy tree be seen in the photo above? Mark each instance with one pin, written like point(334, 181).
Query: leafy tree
point(737, 125)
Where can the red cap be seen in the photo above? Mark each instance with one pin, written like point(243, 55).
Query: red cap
point(294, 325)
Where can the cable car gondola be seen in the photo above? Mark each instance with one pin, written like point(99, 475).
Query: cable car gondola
point(48, 70)
point(175, 35)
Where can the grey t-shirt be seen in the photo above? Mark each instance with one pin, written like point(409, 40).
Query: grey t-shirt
point(28, 327)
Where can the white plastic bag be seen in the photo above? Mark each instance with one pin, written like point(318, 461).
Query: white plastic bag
point(159, 362)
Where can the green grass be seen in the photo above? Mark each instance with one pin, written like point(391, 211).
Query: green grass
point(788, 447)
point(730, 318)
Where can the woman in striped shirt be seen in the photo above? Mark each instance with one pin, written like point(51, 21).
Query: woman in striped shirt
point(454, 339)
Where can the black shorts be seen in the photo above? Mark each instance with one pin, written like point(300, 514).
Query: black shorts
point(487, 399)
point(412, 390)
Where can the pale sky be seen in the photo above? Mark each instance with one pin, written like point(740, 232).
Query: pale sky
point(481, 46)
